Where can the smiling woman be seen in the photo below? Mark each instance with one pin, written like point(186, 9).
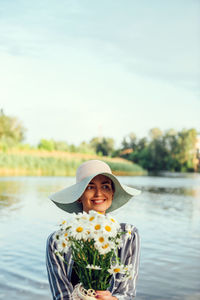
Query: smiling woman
point(96, 189)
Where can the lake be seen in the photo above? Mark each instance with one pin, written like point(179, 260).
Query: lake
point(167, 214)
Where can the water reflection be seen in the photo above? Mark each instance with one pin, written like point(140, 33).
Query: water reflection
point(195, 192)
point(9, 191)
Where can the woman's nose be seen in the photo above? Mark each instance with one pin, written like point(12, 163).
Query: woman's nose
point(98, 191)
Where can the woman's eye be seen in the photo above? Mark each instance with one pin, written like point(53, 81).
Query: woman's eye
point(89, 187)
point(106, 187)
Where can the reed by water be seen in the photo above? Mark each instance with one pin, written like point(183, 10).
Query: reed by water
point(57, 163)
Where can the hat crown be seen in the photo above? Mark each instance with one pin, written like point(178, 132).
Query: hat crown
point(91, 167)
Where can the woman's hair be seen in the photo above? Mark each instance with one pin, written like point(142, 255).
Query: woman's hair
point(113, 186)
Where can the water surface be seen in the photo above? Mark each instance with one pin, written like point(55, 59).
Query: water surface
point(167, 214)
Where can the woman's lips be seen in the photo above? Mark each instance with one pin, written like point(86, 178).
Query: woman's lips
point(98, 201)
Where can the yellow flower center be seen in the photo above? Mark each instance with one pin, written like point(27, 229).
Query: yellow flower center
point(112, 220)
point(64, 245)
point(91, 219)
point(129, 232)
point(66, 234)
point(101, 239)
point(63, 222)
point(108, 228)
point(97, 227)
point(105, 246)
point(79, 229)
point(116, 270)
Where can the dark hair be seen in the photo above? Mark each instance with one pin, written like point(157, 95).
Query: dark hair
point(113, 186)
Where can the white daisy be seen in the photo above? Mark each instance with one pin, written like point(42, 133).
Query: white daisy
point(119, 242)
point(96, 226)
point(82, 217)
point(92, 214)
point(56, 235)
point(62, 245)
point(93, 267)
point(63, 225)
point(129, 271)
point(128, 268)
point(79, 230)
point(95, 217)
point(105, 247)
point(113, 221)
point(117, 268)
point(109, 229)
point(100, 241)
point(128, 229)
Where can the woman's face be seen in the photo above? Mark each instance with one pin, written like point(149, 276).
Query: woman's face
point(98, 194)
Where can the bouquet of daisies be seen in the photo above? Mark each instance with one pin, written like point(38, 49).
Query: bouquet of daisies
point(94, 240)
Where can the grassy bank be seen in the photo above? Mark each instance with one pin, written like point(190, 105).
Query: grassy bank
point(56, 163)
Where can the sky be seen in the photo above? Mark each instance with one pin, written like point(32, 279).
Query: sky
point(72, 70)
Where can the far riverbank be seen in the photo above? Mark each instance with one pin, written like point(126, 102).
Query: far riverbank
point(58, 163)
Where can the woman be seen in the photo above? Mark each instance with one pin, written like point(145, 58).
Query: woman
point(96, 189)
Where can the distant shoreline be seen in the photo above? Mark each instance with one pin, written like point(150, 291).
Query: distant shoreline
point(58, 163)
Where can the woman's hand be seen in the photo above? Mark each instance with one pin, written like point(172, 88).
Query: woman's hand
point(105, 295)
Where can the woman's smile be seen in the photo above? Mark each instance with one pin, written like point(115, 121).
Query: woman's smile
point(98, 201)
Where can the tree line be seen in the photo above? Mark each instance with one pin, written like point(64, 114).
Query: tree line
point(159, 151)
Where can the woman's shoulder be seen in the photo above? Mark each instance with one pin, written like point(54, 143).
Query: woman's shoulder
point(51, 239)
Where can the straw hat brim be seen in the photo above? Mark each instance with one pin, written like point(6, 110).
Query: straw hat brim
point(66, 199)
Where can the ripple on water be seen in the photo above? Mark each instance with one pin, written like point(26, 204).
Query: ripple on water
point(166, 215)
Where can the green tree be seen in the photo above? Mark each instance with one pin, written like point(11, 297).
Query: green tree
point(170, 144)
point(156, 151)
point(106, 147)
point(172, 151)
point(85, 148)
point(94, 142)
point(61, 146)
point(11, 129)
point(103, 146)
point(185, 151)
point(141, 153)
point(130, 141)
point(48, 145)
point(155, 133)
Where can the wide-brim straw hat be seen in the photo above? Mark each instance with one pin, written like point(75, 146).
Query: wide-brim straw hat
point(66, 199)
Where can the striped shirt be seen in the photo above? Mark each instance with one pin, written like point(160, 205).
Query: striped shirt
point(59, 273)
